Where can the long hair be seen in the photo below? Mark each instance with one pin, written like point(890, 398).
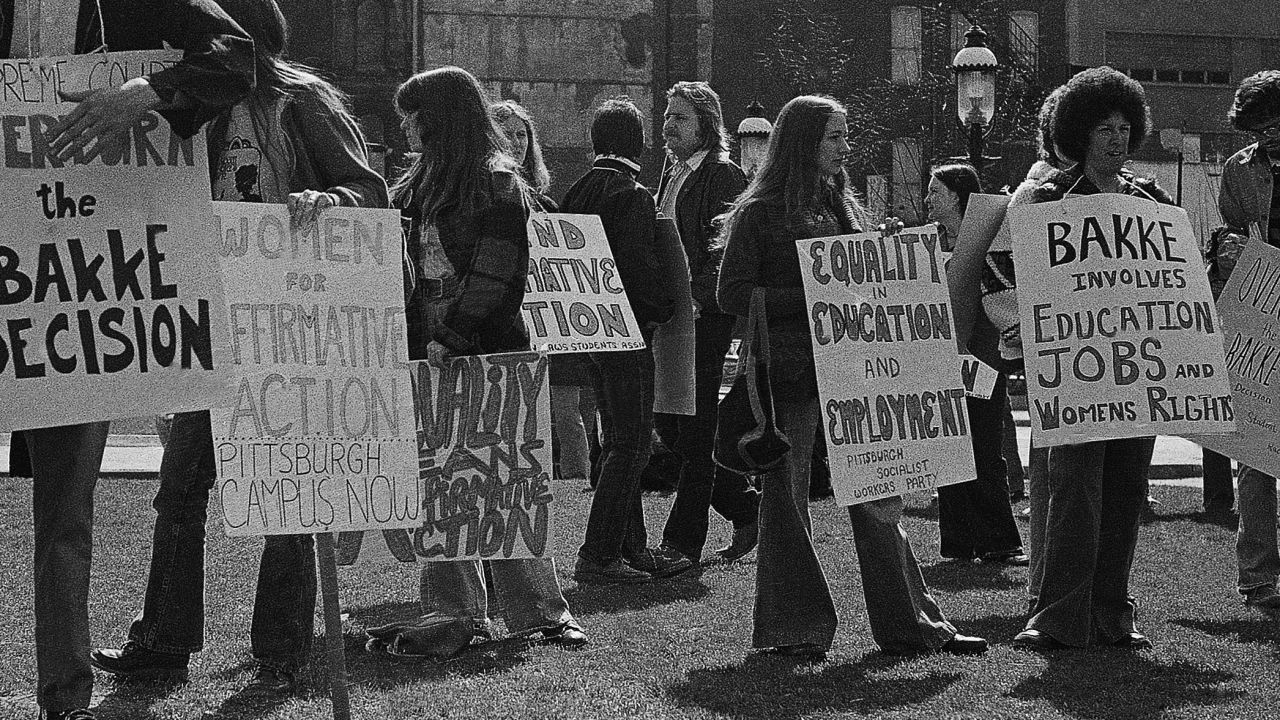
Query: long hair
point(461, 144)
point(959, 178)
point(278, 77)
point(535, 170)
point(789, 172)
point(706, 105)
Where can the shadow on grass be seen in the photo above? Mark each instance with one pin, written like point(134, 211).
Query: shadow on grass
point(764, 687)
point(1226, 520)
point(589, 600)
point(960, 576)
point(1262, 630)
point(923, 511)
point(385, 671)
point(1109, 685)
point(997, 629)
point(131, 700)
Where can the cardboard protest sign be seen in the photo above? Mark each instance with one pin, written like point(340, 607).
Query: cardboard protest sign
point(110, 294)
point(574, 299)
point(318, 434)
point(484, 444)
point(39, 80)
point(983, 218)
point(674, 341)
point(889, 385)
point(979, 378)
point(1250, 310)
point(1119, 331)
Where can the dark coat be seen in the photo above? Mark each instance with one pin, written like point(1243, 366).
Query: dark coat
point(705, 195)
point(627, 212)
point(216, 70)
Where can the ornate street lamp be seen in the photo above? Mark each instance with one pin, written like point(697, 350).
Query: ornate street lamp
point(753, 138)
point(975, 68)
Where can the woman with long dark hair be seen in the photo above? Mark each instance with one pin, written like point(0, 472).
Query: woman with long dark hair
point(974, 518)
point(307, 152)
point(467, 207)
point(802, 191)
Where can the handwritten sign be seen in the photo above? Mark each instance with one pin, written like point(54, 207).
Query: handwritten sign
point(1119, 330)
point(485, 461)
point(110, 294)
point(889, 385)
point(979, 377)
point(574, 300)
point(319, 432)
point(39, 80)
point(1250, 310)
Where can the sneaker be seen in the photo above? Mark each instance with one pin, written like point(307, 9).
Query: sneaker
point(1264, 597)
point(268, 681)
point(135, 662)
point(613, 571)
point(75, 714)
point(661, 562)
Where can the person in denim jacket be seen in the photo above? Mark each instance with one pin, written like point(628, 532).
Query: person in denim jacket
point(1250, 207)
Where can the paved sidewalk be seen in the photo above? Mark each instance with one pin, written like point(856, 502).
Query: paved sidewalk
point(1176, 461)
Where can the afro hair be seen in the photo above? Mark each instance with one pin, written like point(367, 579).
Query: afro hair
point(1091, 97)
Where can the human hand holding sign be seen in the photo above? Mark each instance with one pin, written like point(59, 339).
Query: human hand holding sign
point(102, 118)
point(305, 207)
point(891, 226)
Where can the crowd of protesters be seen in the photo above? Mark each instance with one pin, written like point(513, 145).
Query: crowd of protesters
point(476, 173)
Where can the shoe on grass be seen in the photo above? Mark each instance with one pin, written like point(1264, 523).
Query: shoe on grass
point(568, 635)
point(661, 562)
point(270, 682)
point(74, 714)
point(744, 541)
point(612, 571)
point(1264, 597)
point(134, 662)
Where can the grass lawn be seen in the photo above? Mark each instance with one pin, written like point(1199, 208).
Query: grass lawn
point(680, 648)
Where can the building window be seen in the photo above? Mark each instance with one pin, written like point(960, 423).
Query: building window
point(908, 195)
point(371, 35)
point(1024, 38)
point(905, 45)
point(1184, 59)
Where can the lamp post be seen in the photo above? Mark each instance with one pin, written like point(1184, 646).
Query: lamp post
point(975, 68)
point(753, 138)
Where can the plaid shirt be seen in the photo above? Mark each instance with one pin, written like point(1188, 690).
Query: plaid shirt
point(477, 310)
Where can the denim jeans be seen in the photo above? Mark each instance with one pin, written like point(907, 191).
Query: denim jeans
point(64, 465)
point(571, 432)
point(1256, 539)
point(1095, 495)
point(624, 393)
point(974, 518)
point(702, 484)
point(284, 606)
point(793, 602)
point(172, 617)
point(1038, 491)
point(527, 593)
point(1009, 448)
point(1219, 490)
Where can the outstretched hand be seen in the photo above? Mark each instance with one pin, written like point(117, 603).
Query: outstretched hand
point(102, 119)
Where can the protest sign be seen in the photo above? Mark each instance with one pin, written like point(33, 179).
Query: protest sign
point(979, 377)
point(889, 386)
point(574, 299)
point(485, 461)
point(983, 219)
point(39, 80)
point(674, 341)
point(1119, 331)
point(110, 295)
point(318, 433)
point(1249, 307)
